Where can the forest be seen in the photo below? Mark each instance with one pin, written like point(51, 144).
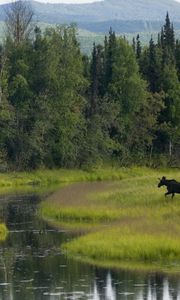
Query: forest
point(62, 108)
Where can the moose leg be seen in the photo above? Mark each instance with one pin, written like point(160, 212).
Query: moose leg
point(168, 193)
point(172, 195)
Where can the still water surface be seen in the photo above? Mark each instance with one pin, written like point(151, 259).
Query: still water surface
point(32, 266)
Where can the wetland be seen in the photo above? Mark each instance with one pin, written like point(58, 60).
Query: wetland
point(47, 257)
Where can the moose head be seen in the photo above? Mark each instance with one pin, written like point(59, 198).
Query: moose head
point(162, 181)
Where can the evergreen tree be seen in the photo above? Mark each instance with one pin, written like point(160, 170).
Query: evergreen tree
point(168, 37)
point(134, 45)
point(138, 47)
point(129, 93)
point(168, 41)
point(61, 108)
point(151, 66)
point(66, 94)
point(170, 116)
point(7, 123)
point(177, 57)
point(97, 76)
point(110, 49)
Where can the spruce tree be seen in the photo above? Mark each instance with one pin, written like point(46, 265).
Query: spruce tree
point(97, 76)
point(177, 57)
point(168, 38)
point(138, 47)
point(168, 41)
point(134, 45)
point(151, 66)
point(110, 56)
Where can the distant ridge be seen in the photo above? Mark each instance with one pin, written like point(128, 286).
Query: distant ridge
point(125, 15)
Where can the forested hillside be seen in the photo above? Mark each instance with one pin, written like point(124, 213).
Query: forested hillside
point(61, 108)
point(125, 26)
point(107, 10)
point(122, 15)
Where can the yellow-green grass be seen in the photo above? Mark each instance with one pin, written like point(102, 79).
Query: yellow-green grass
point(57, 176)
point(130, 243)
point(134, 196)
point(130, 220)
point(3, 232)
point(41, 180)
point(39, 177)
point(44, 177)
point(28, 181)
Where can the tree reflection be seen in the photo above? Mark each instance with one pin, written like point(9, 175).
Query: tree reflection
point(33, 267)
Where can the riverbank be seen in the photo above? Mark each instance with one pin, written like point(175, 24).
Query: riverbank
point(128, 221)
point(13, 181)
point(46, 177)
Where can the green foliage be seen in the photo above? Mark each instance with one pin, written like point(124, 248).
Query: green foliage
point(129, 93)
point(3, 232)
point(159, 65)
point(61, 108)
point(126, 86)
point(46, 86)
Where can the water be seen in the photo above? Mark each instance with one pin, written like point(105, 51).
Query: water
point(32, 265)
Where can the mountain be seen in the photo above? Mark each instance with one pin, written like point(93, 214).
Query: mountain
point(125, 15)
point(125, 26)
point(108, 10)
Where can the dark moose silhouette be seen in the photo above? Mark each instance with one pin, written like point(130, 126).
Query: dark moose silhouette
point(173, 187)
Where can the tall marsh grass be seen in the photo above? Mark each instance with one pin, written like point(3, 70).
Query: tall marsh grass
point(135, 195)
point(3, 232)
point(127, 244)
point(130, 218)
point(57, 176)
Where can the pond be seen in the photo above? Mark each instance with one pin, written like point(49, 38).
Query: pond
point(32, 265)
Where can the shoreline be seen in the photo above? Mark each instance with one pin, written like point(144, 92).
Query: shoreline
point(87, 203)
point(47, 177)
point(125, 220)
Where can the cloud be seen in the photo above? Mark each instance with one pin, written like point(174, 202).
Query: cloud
point(68, 1)
point(56, 1)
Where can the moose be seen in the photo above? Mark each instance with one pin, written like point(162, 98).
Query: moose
point(173, 187)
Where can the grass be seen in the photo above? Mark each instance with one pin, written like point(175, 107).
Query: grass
point(127, 244)
point(33, 179)
point(126, 222)
point(49, 177)
point(124, 217)
point(3, 232)
point(131, 196)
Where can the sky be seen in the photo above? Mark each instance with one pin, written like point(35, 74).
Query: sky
point(62, 1)
point(56, 1)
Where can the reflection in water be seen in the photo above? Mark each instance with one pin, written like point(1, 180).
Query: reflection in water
point(110, 292)
point(95, 293)
point(131, 290)
point(32, 266)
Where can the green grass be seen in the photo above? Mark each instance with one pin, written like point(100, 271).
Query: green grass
point(128, 221)
point(125, 218)
point(28, 180)
point(125, 243)
point(15, 180)
point(135, 192)
point(3, 232)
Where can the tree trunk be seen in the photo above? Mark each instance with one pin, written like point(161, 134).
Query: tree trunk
point(170, 148)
